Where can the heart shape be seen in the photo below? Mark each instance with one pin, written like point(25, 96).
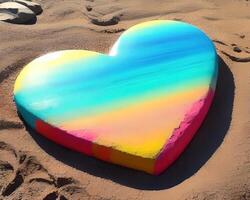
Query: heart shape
point(138, 107)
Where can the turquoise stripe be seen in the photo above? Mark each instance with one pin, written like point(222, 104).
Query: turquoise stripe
point(150, 61)
point(119, 69)
point(104, 93)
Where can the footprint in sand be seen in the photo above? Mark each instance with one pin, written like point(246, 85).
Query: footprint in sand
point(24, 177)
point(225, 49)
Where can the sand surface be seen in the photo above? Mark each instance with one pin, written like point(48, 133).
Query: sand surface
point(216, 165)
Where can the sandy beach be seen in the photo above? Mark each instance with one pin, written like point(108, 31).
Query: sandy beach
point(216, 165)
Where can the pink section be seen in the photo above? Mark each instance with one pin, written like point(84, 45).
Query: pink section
point(184, 133)
point(77, 140)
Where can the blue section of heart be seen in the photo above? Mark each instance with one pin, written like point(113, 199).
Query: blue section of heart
point(165, 58)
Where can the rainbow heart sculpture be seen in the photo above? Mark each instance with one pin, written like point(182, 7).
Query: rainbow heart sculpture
point(138, 107)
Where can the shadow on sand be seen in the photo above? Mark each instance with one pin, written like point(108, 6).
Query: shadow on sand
point(207, 140)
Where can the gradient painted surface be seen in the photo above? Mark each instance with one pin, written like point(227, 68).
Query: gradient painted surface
point(138, 107)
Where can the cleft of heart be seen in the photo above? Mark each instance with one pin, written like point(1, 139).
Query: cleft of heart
point(138, 107)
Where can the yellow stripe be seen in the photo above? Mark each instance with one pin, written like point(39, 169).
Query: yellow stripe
point(124, 128)
point(132, 161)
point(170, 100)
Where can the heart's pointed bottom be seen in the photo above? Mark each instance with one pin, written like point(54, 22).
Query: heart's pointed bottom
point(179, 140)
point(182, 135)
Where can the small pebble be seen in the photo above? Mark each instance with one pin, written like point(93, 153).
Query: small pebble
point(242, 36)
point(88, 8)
point(237, 49)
